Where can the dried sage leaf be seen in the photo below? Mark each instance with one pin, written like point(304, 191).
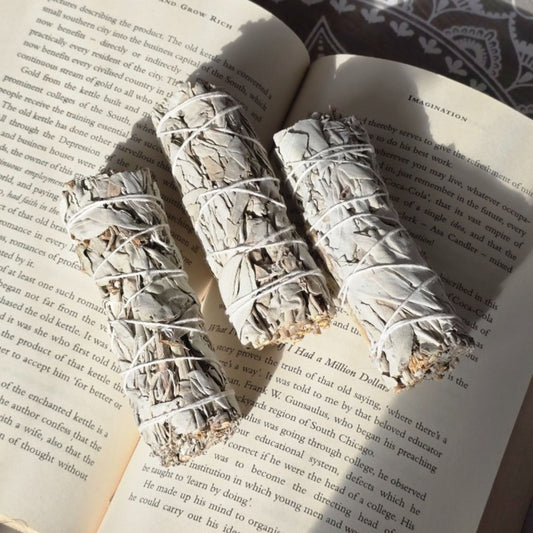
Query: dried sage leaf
point(269, 283)
point(399, 303)
point(179, 393)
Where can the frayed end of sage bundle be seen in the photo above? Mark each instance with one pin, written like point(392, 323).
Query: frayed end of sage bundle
point(175, 448)
point(271, 287)
point(433, 359)
point(398, 302)
point(179, 393)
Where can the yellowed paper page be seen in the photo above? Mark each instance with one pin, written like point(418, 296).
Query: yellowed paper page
point(78, 83)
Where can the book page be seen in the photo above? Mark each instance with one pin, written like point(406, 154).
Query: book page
point(509, 506)
point(78, 83)
point(324, 446)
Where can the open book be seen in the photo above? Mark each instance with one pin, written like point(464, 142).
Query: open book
point(324, 447)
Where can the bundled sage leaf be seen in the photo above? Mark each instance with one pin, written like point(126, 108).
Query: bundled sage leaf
point(269, 283)
point(399, 303)
point(181, 399)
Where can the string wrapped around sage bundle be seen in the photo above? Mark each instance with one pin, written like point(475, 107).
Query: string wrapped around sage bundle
point(270, 285)
point(181, 398)
point(398, 302)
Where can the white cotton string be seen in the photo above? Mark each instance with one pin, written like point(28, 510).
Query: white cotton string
point(390, 325)
point(392, 266)
point(269, 288)
point(178, 272)
point(135, 358)
point(343, 292)
point(111, 201)
point(218, 129)
point(316, 159)
point(331, 155)
point(237, 188)
point(358, 267)
point(152, 324)
point(335, 227)
point(194, 132)
point(348, 202)
point(341, 150)
point(179, 324)
point(134, 365)
point(128, 198)
point(206, 198)
point(416, 320)
point(199, 403)
point(172, 113)
point(127, 241)
point(267, 242)
point(154, 362)
point(333, 151)
point(153, 272)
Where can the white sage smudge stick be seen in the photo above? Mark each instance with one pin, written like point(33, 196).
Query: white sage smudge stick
point(181, 399)
point(399, 303)
point(271, 287)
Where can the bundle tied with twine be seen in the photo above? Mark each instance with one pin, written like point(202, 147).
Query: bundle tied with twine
point(271, 287)
point(178, 391)
point(397, 300)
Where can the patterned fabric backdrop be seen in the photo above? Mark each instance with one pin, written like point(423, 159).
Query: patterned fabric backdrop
point(487, 44)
